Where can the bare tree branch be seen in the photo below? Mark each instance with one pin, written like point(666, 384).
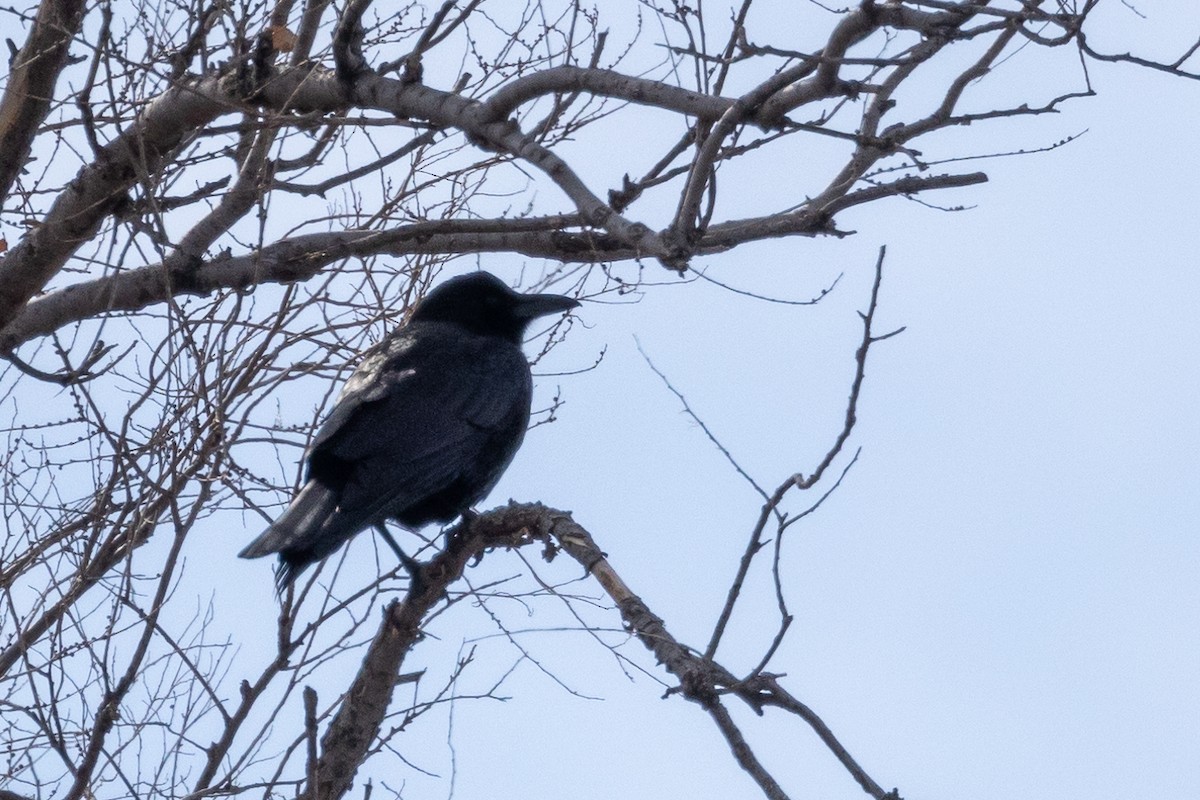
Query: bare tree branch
point(32, 75)
point(210, 209)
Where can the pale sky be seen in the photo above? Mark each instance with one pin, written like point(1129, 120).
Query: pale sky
point(1002, 600)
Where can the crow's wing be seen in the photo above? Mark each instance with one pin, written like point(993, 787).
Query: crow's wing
point(433, 409)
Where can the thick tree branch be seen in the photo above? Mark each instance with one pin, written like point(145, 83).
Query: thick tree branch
point(31, 79)
point(603, 83)
point(853, 28)
point(359, 718)
point(347, 41)
point(299, 258)
point(100, 187)
point(701, 679)
point(78, 213)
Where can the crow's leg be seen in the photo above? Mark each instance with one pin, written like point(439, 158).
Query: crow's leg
point(466, 517)
point(411, 565)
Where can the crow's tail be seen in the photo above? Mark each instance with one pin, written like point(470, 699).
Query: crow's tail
point(298, 536)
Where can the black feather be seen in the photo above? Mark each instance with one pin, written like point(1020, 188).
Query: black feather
point(424, 427)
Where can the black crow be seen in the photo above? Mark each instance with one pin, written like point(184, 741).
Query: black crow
point(424, 427)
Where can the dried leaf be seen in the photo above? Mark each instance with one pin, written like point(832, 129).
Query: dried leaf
point(282, 39)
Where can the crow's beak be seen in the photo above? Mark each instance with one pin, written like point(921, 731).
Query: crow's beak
point(532, 306)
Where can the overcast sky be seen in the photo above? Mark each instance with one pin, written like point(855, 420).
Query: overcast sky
point(1001, 600)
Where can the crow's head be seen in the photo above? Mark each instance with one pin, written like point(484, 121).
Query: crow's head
point(483, 304)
